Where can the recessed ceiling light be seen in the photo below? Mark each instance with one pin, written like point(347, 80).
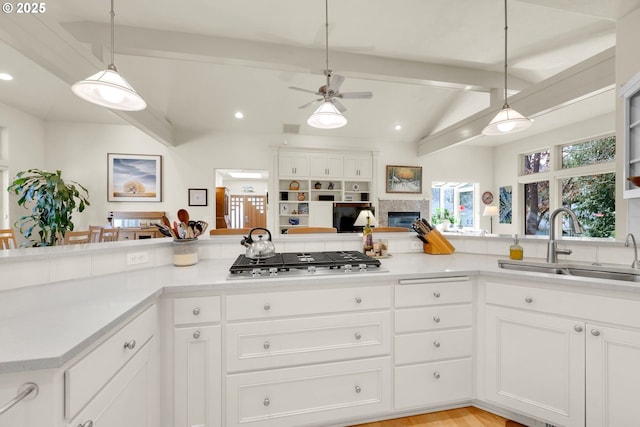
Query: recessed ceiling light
point(6, 76)
point(398, 127)
point(251, 175)
point(238, 115)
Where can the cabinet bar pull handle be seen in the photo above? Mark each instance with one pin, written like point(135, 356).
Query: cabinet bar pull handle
point(196, 311)
point(196, 334)
point(436, 319)
point(130, 345)
point(266, 401)
point(436, 294)
point(595, 332)
point(577, 328)
point(436, 375)
point(528, 300)
point(24, 391)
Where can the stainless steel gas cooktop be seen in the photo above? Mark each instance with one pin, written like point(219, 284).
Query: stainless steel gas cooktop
point(304, 263)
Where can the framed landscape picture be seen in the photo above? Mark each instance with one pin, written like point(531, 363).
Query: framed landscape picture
point(404, 179)
point(134, 178)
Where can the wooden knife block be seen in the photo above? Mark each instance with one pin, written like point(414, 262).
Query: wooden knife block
point(438, 244)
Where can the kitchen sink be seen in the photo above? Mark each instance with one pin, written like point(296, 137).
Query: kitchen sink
point(592, 271)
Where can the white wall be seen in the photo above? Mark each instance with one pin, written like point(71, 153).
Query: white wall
point(24, 136)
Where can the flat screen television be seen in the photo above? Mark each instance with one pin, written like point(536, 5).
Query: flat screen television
point(345, 214)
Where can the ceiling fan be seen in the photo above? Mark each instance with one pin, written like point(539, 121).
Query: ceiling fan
point(330, 92)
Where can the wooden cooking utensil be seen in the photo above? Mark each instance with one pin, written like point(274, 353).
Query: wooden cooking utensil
point(167, 224)
point(183, 216)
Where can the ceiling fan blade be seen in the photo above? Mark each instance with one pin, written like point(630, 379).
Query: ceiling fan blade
point(354, 95)
point(310, 102)
point(336, 82)
point(303, 90)
point(339, 105)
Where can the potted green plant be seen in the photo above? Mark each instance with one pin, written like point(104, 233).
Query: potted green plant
point(442, 217)
point(52, 202)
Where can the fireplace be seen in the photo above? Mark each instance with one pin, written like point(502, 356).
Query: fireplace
point(402, 219)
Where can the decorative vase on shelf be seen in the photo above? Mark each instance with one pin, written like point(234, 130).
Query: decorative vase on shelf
point(301, 196)
point(317, 185)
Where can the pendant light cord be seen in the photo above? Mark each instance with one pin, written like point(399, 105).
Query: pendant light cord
point(326, 41)
point(506, 28)
point(113, 15)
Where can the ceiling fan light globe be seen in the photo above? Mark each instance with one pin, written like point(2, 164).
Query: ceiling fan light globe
point(327, 116)
point(507, 120)
point(109, 89)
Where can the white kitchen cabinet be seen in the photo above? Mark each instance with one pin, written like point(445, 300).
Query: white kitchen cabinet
point(197, 361)
point(309, 395)
point(128, 399)
point(534, 363)
point(293, 164)
point(325, 165)
point(358, 166)
point(197, 376)
point(613, 376)
point(320, 214)
point(433, 342)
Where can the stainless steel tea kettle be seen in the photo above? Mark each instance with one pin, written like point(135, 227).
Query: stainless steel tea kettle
point(261, 248)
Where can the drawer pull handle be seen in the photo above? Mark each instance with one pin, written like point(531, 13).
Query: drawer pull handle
point(358, 300)
point(26, 390)
point(577, 328)
point(595, 332)
point(436, 344)
point(266, 401)
point(436, 319)
point(358, 336)
point(196, 334)
point(86, 424)
point(196, 311)
point(528, 300)
point(267, 306)
point(266, 345)
point(436, 294)
point(358, 389)
point(130, 345)
point(436, 375)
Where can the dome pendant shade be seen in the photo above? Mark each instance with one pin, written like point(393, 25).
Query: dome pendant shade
point(109, 89)
point(327, 116)
point(507, 120)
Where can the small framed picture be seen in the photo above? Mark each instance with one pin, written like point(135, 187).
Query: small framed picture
point(198, 197)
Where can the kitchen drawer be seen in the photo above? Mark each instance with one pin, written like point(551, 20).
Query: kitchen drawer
point(310, 394)
point(84, 379)
point(276, 343)
point(433, 383)
point(571, 304)
point(307, 302)
point(433, 317)
point(196, 310)
point(416, 292)
point(430, 346)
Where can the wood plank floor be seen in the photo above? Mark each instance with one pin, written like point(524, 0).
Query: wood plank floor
point(462, 417)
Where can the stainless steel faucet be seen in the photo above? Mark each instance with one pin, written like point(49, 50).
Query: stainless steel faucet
point(552, 247)
point(635, 263)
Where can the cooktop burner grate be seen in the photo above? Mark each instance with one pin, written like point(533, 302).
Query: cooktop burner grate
point(310, 261)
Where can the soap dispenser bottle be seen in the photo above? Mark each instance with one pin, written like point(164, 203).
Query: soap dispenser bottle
point(515, 250)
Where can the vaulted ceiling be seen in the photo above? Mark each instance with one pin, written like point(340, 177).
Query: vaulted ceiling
point(429, 63)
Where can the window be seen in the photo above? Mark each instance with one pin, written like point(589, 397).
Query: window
point(454, 201)
point(581, 177)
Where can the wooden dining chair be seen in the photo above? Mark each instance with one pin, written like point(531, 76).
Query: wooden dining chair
point(390, 229)
point(311, 230)
point(228, 231)
point(7, 239)
point(110, 234)
point(95, 233)
point(77, 237)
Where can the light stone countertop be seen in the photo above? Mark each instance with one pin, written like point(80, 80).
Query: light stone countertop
point(45, 326)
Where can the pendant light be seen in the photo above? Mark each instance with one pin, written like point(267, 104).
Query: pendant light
point(108, 88)
point(507, 120)
point(327, 116)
